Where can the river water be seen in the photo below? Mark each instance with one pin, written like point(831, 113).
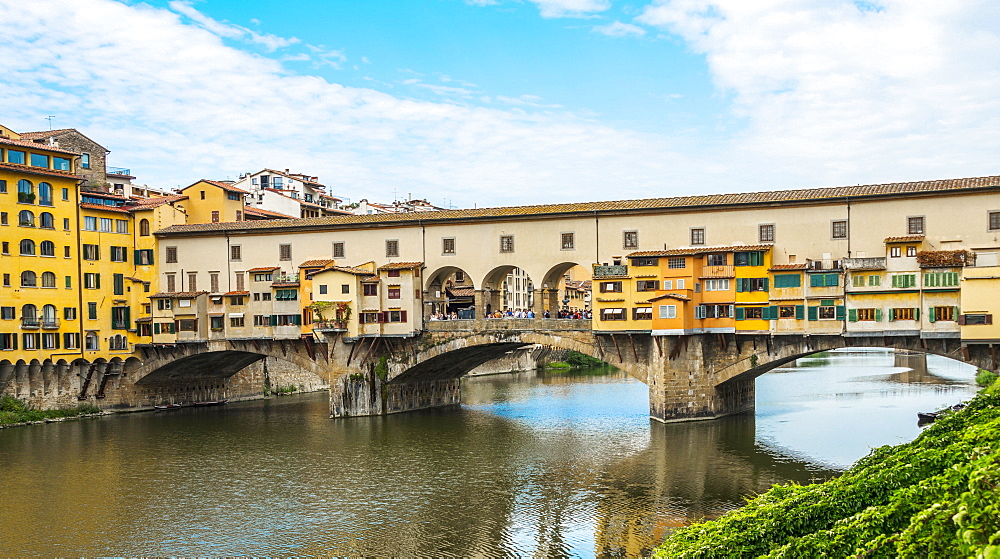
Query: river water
point(531, 464)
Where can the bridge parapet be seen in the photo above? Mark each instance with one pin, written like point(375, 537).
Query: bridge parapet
point(509, 324)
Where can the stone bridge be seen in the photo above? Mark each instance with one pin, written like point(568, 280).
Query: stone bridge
point(689, 377)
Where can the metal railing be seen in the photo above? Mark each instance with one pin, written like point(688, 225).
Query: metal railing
point(30, 322)
point(118, 171)
point(726, 271)
point(610, 271)
point(875, 263)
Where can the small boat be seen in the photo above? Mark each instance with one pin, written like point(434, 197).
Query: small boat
point(166, 407)
point(212, 403)
point(927, 416)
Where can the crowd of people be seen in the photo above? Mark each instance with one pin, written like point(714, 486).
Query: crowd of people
point(521, 313)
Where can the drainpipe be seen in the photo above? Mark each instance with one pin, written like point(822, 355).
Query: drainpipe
point(597, 239)
point(79, 273)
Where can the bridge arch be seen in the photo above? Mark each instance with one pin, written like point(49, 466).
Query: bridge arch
point(508, 287)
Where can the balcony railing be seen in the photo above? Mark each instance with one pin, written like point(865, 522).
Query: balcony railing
point(726, 271)
point(610, 271)
point(50, 323)
point(876, 263)
point(30, 322)
point(118, 171)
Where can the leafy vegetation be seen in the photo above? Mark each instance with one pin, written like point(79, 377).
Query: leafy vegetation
point(985, 378)
point(13, 410)
point(577, 359)
point(937, 496)
point(558, 365)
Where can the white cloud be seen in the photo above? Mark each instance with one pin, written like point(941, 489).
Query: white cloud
point(270, 42)
point(571, 8)
point(175, 104)
point(619, 29)
point(844, 90)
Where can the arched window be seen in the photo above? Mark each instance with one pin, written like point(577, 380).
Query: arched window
point(45, 220)
point(27, 247)
point(47, 248)
point(25, 192)
point(29, 312)
point(49, 316)
point(25, 218)
point(118, 341)
point(48, 280)
point(28, 279)
point(44, 194)
point(144, 228)
point(92, 341)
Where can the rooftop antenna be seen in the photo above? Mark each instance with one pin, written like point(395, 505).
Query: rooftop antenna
point(49, 118)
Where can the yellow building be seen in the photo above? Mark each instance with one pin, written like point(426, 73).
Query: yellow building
point(365, 301)
point(214, 202)
point(753, 285)
point(620, 300)
point(40, 316)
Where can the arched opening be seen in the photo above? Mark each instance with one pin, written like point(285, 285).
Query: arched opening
point(25, 218)
point(92, 342)
point(27, 247)
point(25, 192)
point(144, 227)
point(567, 287)
point(450, 293)
point(46, 221)
point(28, 279)
point(48, 280)
point(118, 342)
point(49, 317)
point(45, 194)
point(509, 292)
point(47, 248)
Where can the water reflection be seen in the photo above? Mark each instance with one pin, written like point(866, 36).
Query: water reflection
point(530, 465)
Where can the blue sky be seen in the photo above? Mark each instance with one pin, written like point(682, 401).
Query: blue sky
point(495, 102)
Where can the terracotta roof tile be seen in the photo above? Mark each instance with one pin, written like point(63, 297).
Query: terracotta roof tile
point(686, 251)
point(177, 294)
point(401, 265)
point(39, 171)
point(669, 296)
point(265, 269)
point(251, 210)
point(904, 239)
point(780, 267)
point(232, 293)
point(461, 291)
point(991, 183)
point(34, 145)
point(150, 203)
point(102, 207)
point(143, 319)
point(316, 263)
point(285, 284)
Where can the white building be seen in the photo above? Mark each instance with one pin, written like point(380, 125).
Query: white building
point(288, 193)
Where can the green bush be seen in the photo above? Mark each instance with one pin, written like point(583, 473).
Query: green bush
point(13, 410)
point(577, 359)
point(937, 496)
point(558, 365)
point(985, 378)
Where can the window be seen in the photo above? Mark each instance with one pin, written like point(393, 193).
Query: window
point(642, 313)
point(44, 194)
point(370, 289)
point(895, 252)
point(261, 320)
point(369, 318)
point(48, 279)
point(239, 281)
point(613, 314)
point(911, 251)
point(765, 232)
point(235, 253)
point(713, 311)
point(698, 236)
point(71, 340)
point(448, 245)
point(27, 247)
point(755, 258)
point(121, 226)
point(171, 283)
point(915, 225)
point(823, 280)
point(506, 243)
point(236, 322)
point(993, 221)
point(46, 221)
point(39, 160)
point(216, 323)
point(874, 280)
point(120, 318)
point(192, 281)
point(908, 313)
point(3, 183)
point(392, 273)
point(717, 284)
point(865, 315)
point(25, 218)
point(285, 252)
point(938, 314)
point(838, 229)
point(567, 241)
point(215, 219)
point(676, 263)
point(3, 218)
point(7, 313)
point(213, 281)
point(649, 285)
point(5, 247)
point(787, 280)
point(393, 293)
point(630, 239)
point(975, 319)
point(391, 248)
point(28, 279)
point(144, 257)
point(118, 254)
point(904, 280)
point(668, 284)
point(92, 280)
point(322, 289)
point(680, 283)
point(716, 260)
point(144, 228)
point(667, 311)
point(171, 257)
point(751, 284)
point(827, 313)
point(345, 288)
point(89, 223)
point(164, 304)
point(92, 310)
point(85, 160)
point(611, 287)
point(69, 313)
point(107, 225)
point(338, 249)
point(91, 252)
point(941, 279)
point(187, 325)
point(645, 261)
point(65, 194)
point(286, 295)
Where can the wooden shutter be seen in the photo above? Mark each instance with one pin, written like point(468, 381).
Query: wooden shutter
point(772, 313)
point(878, 315)
point(931, 314)
point(766, 284)
point(892, 315)
point(989, 318)
point(816, 280)
point(800, 312)
point(402, 316)
point(741, 313)
point(840, 312)
point(814, 313)
point(852, 315)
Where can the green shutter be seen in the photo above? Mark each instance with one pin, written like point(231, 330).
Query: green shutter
point(156, 328)
point(878, 315)
point(813, 313)
point(740, 313)
point(274, 320)
point(931, 314)
point(766, 284)
point(892, 315)
point(800, 312)
point(297, 319)
point(840, 312)
point(773, 313)
point(119, 283)
point(852, 315)
point(739, 285)
point(97, 280)
point(832, 280)
point(128, 318)
point(816, 280)
point(916, 313)
point(895, 281)
point(69, 282)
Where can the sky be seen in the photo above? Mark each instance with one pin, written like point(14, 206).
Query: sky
point(501, 102)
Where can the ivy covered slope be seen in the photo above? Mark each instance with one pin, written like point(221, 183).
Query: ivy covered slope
point(938, 496)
